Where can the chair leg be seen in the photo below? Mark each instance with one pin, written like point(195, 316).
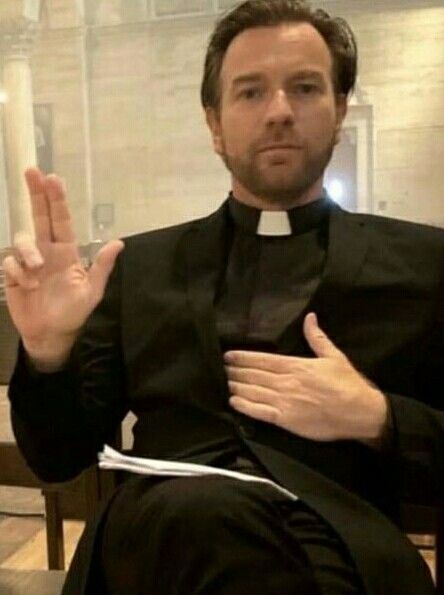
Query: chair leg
point(54, 532)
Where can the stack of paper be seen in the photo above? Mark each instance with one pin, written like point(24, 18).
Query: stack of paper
point(111, 459)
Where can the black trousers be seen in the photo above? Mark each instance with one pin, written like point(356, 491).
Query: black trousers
point(217, 536)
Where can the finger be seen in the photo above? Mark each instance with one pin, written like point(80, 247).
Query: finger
point(279, 364)
point(103, 265)
point(16, 276)
point(60, 217)
point(27, 251)
point(263, 378)
point(258, 411)
point(39, 204)
point(256, 394)
point(321, 345)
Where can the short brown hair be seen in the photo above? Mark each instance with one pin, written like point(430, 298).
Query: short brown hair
point(259, 13)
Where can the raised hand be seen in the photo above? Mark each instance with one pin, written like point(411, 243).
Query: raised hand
point(49, 292)
point(323, 398)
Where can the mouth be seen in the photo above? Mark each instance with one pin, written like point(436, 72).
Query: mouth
point(273, 148)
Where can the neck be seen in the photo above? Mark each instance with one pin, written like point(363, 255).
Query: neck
point(263, 203)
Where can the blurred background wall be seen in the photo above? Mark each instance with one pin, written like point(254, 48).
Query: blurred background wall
point(117, 112)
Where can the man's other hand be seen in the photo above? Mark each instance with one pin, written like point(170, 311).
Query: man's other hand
point(323, 398)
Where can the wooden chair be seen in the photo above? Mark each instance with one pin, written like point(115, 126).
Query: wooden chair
point(76, 499)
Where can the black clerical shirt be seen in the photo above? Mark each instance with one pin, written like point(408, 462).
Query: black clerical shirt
point(270, 279)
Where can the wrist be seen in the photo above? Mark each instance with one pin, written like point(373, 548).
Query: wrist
point(379, 421)
point(381, 416)
point(50, 354)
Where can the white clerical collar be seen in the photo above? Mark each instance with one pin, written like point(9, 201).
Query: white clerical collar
point(295, 221)
point(274, 223)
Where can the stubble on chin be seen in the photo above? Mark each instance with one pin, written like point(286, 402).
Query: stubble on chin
point(273, 187)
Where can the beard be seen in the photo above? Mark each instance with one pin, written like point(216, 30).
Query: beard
point(286, 184)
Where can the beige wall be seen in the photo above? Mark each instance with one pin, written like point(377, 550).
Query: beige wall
point(151, 153)
point(401, 70)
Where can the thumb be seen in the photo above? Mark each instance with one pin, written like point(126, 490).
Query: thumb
point(103, 265)
point(321, 345)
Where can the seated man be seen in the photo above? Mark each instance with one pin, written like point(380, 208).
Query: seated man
point(281, 336)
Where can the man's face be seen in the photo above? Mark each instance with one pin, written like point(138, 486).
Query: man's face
point(277, 89)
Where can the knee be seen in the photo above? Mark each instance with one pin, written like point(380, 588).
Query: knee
point(199, 499)
point(202, 507)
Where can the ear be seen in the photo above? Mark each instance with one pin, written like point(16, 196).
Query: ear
point(213, 121)
point(341, 112)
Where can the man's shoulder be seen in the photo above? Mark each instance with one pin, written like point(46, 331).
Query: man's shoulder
point(167, 235)
point(399, 228)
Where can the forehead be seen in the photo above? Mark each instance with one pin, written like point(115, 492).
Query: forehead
point(290, 45)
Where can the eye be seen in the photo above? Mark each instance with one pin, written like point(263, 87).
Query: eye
point(306, 88)
point(250, 93)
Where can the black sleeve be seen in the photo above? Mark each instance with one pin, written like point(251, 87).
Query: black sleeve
point(418, 423)
point(61, 420)
point(418, 445)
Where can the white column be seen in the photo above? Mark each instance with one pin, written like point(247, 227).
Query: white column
point(18, 122)
point(5, 236)
point(85, 43)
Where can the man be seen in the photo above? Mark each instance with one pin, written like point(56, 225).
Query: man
point(281, 336)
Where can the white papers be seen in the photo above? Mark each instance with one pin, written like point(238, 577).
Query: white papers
point(111, 459)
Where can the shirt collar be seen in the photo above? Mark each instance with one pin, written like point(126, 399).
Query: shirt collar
point(294, 221)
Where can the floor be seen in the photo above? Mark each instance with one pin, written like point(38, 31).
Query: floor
point(22, 523)
point(23, 543)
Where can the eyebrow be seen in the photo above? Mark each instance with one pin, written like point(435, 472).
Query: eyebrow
point(257, 76)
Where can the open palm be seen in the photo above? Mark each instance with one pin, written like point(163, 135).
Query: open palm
point(49, 292)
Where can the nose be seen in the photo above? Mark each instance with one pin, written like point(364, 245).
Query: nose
point(279, 110)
